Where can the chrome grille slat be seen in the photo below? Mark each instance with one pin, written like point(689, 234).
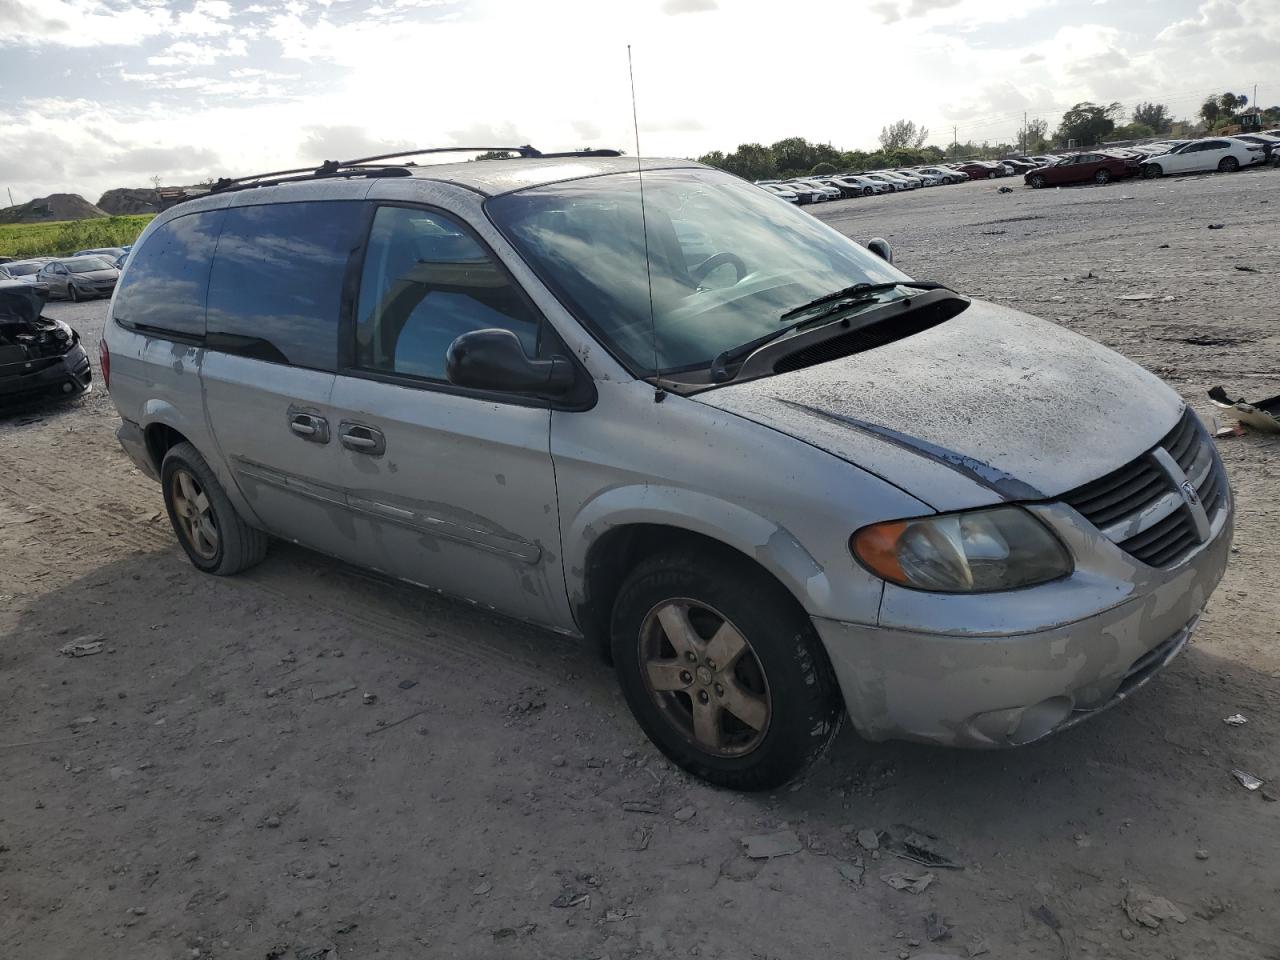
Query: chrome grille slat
point(1121, 503)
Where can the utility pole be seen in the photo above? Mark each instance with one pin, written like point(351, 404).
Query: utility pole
point(1024, 133)
point(10, 189)
point(955, 148)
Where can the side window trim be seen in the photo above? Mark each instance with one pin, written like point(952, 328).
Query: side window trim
point(347, 366)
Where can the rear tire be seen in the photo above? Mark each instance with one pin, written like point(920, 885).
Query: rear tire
point(1228, 164)
point(214, 536)
point(1103, 176)
point(779, 707)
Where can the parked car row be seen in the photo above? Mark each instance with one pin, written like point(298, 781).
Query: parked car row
point(817, 189)
point(79, 277)
point(1226, 154)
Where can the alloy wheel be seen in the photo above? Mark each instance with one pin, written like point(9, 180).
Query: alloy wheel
point(1102, 176)
point(196, 520)
point(1037, 181)
point(704, 676)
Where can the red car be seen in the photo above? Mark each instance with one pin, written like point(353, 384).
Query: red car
point(1081, 168)
point(980, 169)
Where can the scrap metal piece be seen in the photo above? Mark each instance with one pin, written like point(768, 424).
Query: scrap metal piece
point(1263, 416)
point(1247, 780)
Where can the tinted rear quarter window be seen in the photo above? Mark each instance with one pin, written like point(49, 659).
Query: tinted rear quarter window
point(276, 288)
point(164, 288)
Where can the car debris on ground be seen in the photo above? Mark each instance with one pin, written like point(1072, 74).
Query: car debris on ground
point(1148, 910)
point(1263, 416)
point(769, 845)
point(900, 880)
point(1247, 780)
point(85, 646)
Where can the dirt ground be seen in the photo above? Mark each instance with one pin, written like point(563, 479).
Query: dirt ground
point(307, 762)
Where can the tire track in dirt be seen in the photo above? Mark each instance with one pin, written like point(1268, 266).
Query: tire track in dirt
point(104, 508)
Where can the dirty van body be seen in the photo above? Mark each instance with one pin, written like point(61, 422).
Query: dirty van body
point(780, 484)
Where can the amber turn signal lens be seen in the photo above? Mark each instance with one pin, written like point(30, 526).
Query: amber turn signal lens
point(877, 548)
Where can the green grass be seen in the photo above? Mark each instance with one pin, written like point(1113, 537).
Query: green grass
point(59, 238)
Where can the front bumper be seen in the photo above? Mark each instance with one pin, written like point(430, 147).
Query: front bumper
point(993, 689)
point(68, 374)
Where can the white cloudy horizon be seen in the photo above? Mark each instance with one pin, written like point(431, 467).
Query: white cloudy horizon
point(111, 93)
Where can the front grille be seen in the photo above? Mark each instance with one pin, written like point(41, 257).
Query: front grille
point(1140, 506)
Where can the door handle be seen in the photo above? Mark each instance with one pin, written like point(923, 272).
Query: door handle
point(362, 438)
point(309, 427)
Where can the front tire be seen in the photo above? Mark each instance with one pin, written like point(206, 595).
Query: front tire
point(1038, 182)
point(1228, 165)
point(1151, 171)
point(722, 669)
point(868, 192)
point(72, 293)
point(214, 536)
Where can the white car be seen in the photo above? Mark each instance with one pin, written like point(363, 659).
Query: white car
point(869, 186)
point(824, 192)
point(778, 190)
point(946, 176)
point(929, 179)
point(899, 183)
point(1215, 153)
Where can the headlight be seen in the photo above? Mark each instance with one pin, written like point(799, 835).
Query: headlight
point(974, 552)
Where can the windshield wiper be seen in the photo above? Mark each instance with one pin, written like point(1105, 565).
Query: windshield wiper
point(719, 366)
point(863, 289)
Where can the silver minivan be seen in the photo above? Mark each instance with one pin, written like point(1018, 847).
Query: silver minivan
point(778, 481)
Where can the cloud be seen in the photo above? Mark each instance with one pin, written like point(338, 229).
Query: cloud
point(347, 143)
point(19, 18)
point(487, 135)
point(1033, 58)
point(191, 53)
point(586, 129)
point(1214, 16)
point(675, 7)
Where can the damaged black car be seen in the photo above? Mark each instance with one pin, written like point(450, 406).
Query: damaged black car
point(38, 355)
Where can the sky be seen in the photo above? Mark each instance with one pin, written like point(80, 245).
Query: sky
point(106, 93)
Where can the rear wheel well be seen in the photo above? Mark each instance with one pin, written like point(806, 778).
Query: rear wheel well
point(618, 551)
point(160, 437)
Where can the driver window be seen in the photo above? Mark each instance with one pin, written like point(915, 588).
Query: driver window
point(425, 282)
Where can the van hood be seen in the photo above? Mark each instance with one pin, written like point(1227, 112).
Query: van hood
point(992, 405)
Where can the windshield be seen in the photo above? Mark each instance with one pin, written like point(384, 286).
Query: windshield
point(755, 259)
point(22, 269)
point(87, 264)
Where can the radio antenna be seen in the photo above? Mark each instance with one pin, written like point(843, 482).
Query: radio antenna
point(659, 393)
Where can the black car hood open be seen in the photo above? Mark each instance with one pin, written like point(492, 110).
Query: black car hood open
point(992, 405)
point(21, 302)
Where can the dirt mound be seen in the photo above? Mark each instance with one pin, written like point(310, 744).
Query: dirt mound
point(130, 200)
point(56, 206)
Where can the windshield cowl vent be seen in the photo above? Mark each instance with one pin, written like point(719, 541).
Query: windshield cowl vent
point(888, 330)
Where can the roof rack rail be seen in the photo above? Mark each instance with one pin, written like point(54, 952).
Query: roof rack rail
point(360, 166)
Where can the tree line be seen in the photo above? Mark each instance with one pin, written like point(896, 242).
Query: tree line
point(902, 144)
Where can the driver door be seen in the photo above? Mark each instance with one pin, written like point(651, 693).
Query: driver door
point(458, 484)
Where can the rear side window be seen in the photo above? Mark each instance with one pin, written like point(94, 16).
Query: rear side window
point(164, 288)
point(276, 287)
point(426, 281)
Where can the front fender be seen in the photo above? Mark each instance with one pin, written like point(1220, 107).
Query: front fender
point(771, 545)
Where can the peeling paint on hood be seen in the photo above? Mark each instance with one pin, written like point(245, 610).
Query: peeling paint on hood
point(1000, 399)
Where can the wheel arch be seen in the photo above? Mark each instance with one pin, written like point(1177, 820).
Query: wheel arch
point(606, 541)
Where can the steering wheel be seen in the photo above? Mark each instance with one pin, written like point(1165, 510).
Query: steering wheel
point(701, 271)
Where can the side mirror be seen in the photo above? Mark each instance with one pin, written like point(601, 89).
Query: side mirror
point(881, 249)
point(495, 360)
